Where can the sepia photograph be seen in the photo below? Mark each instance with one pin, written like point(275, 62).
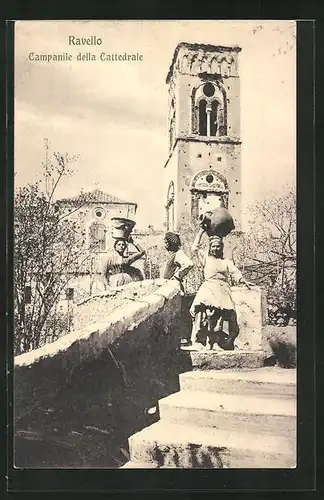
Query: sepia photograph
point(155, 300)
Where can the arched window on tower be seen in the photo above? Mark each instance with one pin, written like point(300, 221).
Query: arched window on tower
point(169, 208)
point(209, 189)
point(171, 124)
point(202, 117)
point(97, 237)
point(214, 118)
point(209, 110)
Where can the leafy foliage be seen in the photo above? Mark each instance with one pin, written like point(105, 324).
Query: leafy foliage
point(48, 250)
point(266, 253)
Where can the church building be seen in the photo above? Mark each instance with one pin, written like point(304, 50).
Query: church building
point(203, 168)
point(93, 212)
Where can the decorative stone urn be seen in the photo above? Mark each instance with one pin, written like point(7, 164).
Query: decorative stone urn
point(122, 227)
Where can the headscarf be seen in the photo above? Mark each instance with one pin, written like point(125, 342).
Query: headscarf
point(173, 240)
point(217, 239)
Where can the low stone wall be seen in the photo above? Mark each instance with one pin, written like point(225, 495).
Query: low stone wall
point(96, 307)
point(78, 399)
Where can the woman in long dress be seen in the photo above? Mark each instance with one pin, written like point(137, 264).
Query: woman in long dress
point(213, 304)
point(118, 269)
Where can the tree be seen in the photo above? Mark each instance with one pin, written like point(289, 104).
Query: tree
point(48, 250)
point(266, 253)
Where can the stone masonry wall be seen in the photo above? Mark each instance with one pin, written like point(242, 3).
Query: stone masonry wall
point(78, 399)
point(251, 313)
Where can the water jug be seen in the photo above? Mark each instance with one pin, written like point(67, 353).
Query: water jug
point(122, 227)
point(217, 222)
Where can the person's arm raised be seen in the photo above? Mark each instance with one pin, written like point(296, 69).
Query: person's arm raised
point(197, 241)
point(136, 256)
point(196, 247)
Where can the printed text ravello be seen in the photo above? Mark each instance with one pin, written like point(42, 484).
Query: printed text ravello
point(91, 40)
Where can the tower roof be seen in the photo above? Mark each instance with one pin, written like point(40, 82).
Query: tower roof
point(199, 46)
point(97, 196)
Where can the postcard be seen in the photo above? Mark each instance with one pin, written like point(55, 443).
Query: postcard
point(155, 245)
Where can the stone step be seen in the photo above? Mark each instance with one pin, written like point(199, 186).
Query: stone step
point(230, 412)
point(190, 446)
point(222, 360)
point(262, 382)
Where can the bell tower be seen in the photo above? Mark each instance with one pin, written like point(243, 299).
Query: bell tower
point(203, 168)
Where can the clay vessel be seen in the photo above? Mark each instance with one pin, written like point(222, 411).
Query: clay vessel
point(122, 227)
point(217, 222)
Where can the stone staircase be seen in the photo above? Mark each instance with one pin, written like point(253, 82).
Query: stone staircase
point(223, 419)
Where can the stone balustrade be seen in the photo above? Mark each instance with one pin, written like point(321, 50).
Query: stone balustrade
point(79, 398)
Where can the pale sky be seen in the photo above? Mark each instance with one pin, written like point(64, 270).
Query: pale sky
point(114, 114)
